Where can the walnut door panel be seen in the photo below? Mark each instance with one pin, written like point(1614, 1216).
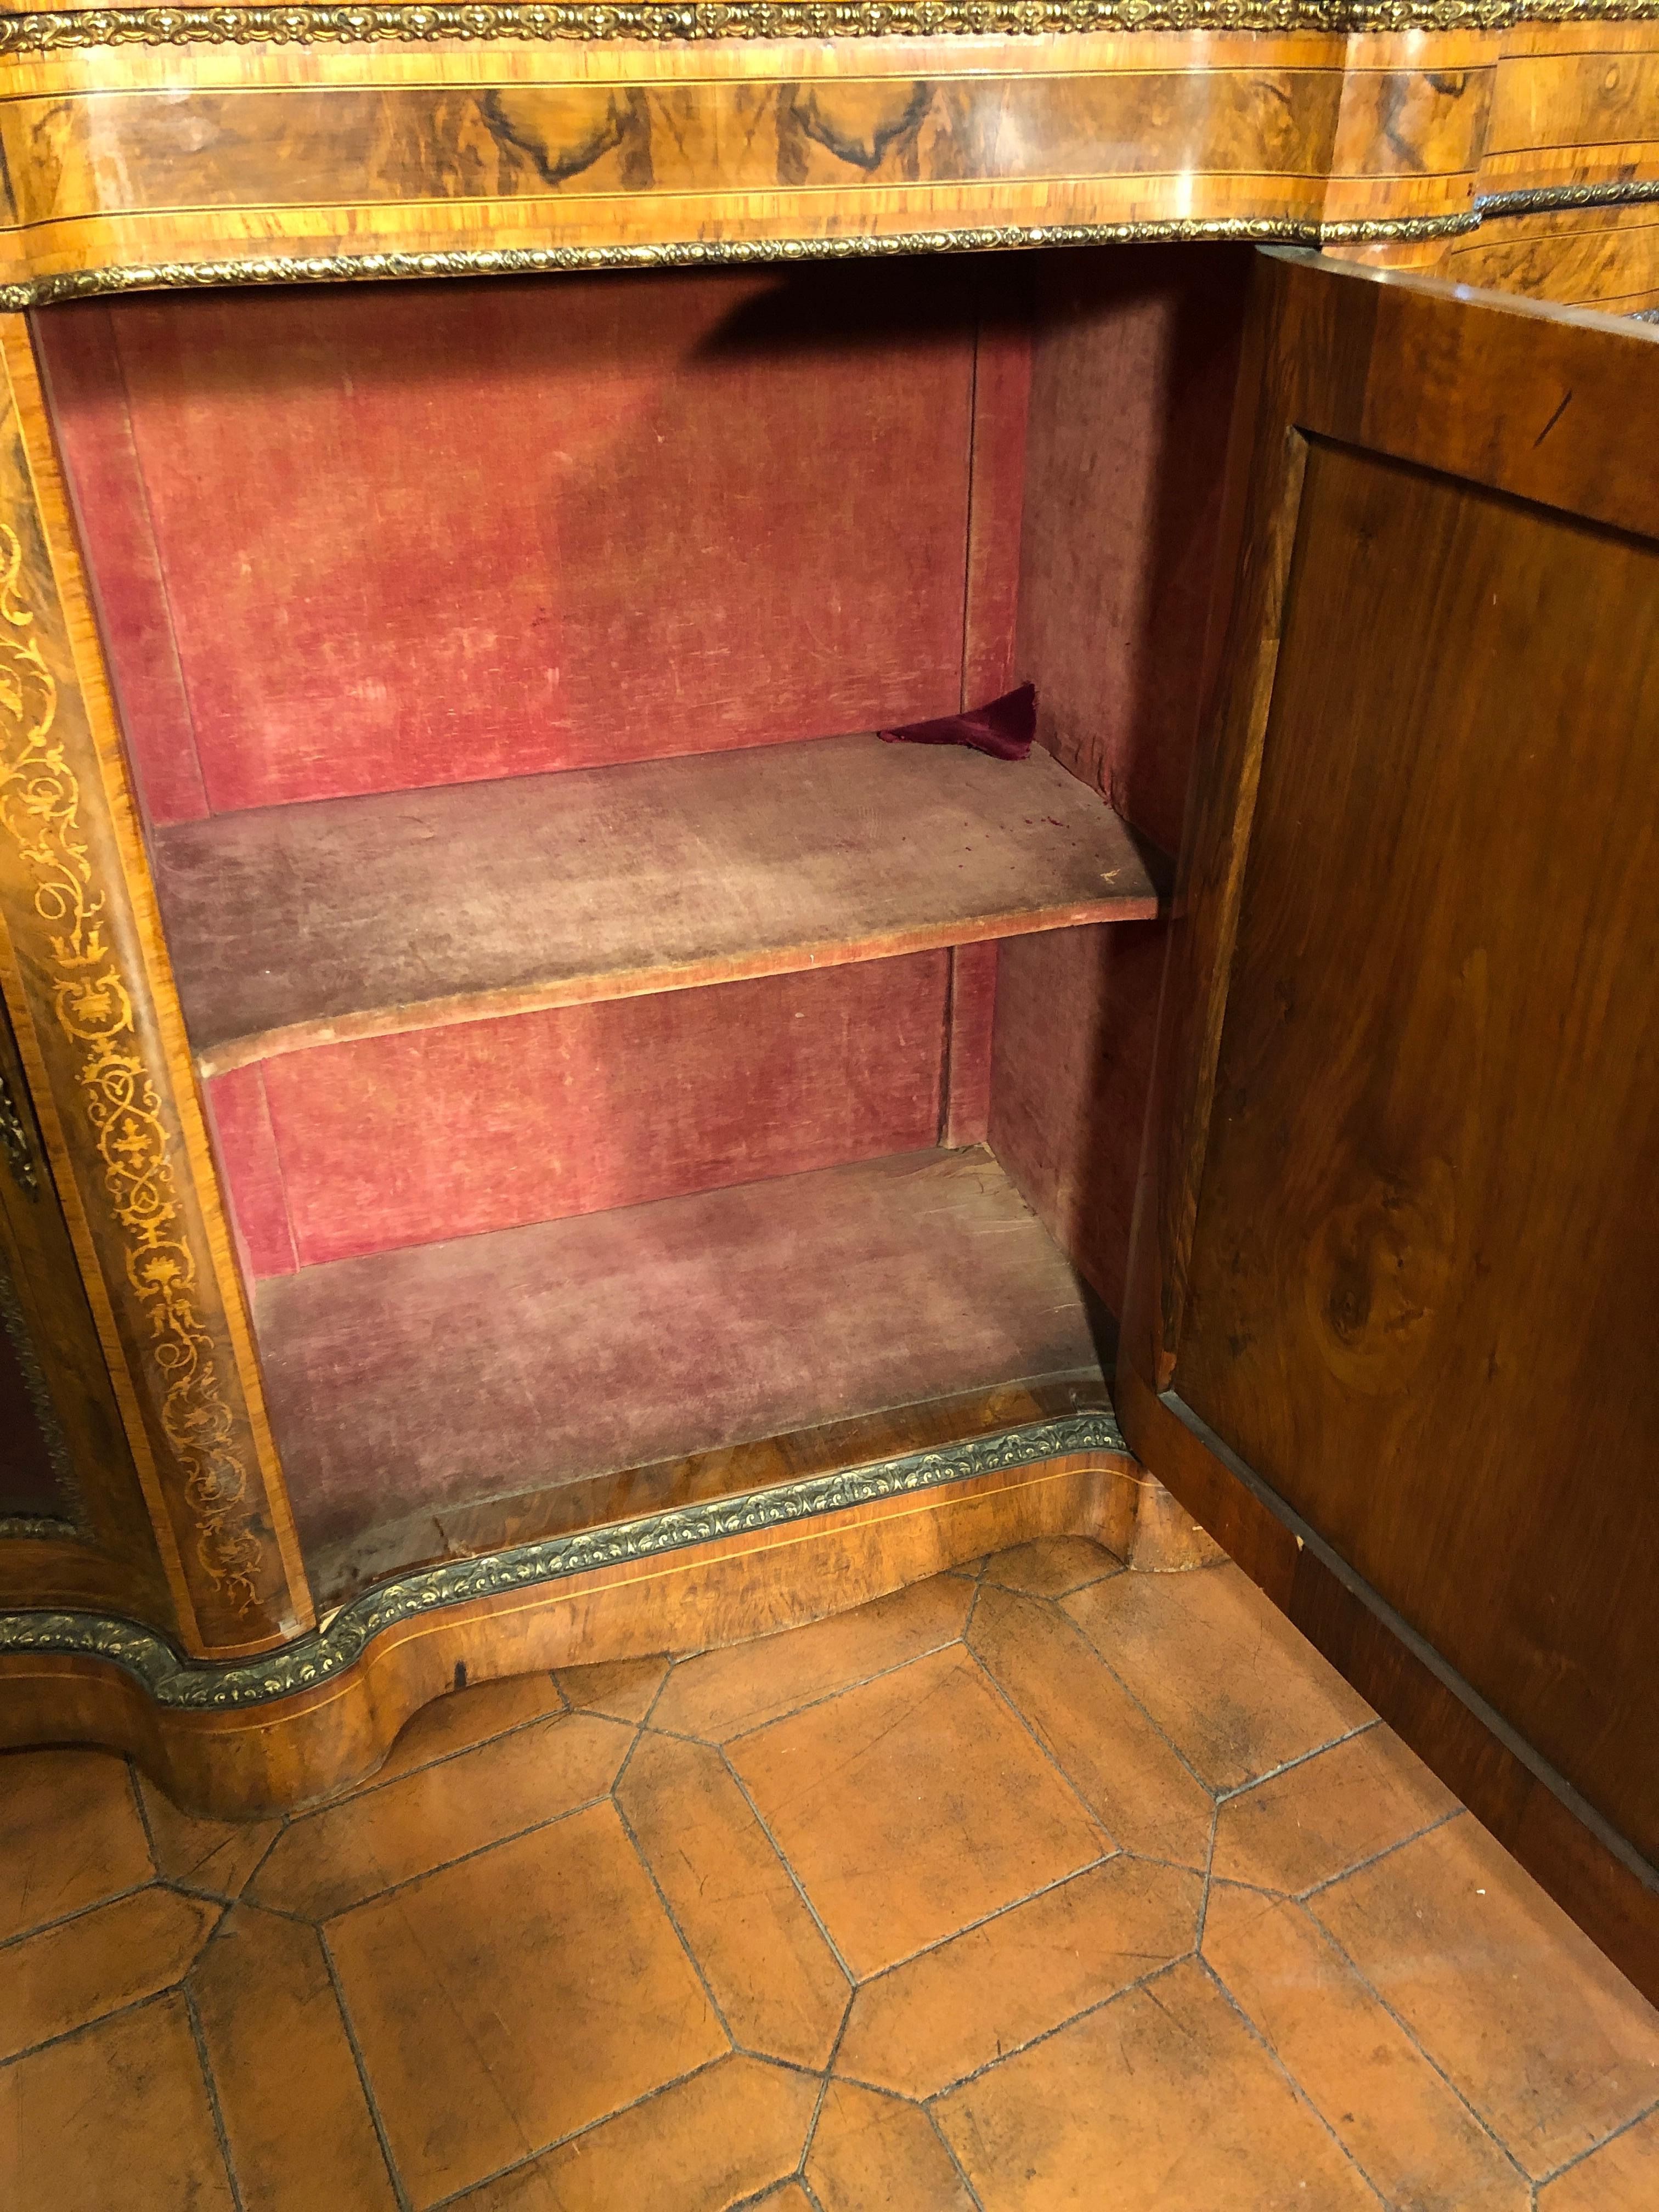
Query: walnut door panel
point(1396, 1277)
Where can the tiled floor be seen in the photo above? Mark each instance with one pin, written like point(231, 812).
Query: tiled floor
point(1046, 1885)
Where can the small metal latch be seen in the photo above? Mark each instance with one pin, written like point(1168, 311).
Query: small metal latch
point(14, 1143)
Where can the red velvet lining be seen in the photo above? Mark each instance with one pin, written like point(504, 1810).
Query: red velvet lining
point(1004, 729)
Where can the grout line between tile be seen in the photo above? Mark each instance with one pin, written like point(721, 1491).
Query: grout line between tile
point(573, 2135)
point(1209, 1875)
point(1030, 1729)
point(650, 1873)
point(1150, 1719)
point(1359, 1866)
point(1405, 2027)
point(989, 1919)
point(840, 1690)
point(1302, 1759)
point(86, 2027)
point(1295, 2086)
point(946, 2146)
point(1600, 2143)
point(349, 2027)
point(82, 1912)
point(375, 1896)
point(1141, 1982)
point(212, 2088)
point(801, 1887)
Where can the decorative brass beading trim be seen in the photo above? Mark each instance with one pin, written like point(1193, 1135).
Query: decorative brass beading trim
point(700, 253)
point(40, 807)
point(194, 1687)
point(663, 20)
point(1552, 199)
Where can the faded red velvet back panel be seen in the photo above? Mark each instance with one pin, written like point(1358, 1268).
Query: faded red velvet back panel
point(417, 534)
point(1134, 368)
point(446, 1133)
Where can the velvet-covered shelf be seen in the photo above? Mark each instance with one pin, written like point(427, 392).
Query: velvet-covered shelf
point(407, 1386)
point(334, 919)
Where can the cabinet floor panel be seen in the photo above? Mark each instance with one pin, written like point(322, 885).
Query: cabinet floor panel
point(343, 918)
point(418, 1381)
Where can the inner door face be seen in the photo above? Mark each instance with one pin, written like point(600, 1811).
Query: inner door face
point(1408, 1233)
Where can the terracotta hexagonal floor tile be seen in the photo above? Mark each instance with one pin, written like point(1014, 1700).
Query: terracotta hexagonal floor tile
point(1623, 2176)
point(507, 2001)
point(938, 2018)
point(1236, 1688)
point(1121, 1765)
point(1163, 2098)
point(1302, 1827)
point(81, 1969)
point(701, 2146)
point(870, 2151)
point(774, 1977)
point(1051, 1566)
point(70, 1834)
point(294, 2109)
point(331, 1860)
point(117, 2116)
point(914, 1805)
point(1548, 2042)
point(720, 1694)
point(1412, 2135)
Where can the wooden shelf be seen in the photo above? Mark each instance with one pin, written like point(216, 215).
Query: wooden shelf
point(407, 1387)
point(343, 918)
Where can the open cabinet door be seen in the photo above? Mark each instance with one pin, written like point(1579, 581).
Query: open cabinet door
point(1393, 1326)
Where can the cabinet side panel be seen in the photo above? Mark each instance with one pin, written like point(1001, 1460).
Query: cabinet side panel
point(1076, 1012)
point(1134, 364)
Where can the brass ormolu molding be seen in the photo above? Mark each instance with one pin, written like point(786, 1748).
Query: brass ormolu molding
point(195, 1686)
point(680, 20)
point(1552, 199)
point(696, 253)
point(40, 803)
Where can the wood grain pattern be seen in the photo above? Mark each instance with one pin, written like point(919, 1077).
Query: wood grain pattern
point(362, 917)
point(572, 1348)
point(321, 1740)
point(440, 1133)
point(1390, 1244)
point(1436, 1179)
point(98, 1028)
point(241, 152)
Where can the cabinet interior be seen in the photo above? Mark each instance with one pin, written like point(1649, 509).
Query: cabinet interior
point(630, 1079)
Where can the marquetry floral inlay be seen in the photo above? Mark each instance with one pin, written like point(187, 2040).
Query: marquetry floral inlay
point(40, 808)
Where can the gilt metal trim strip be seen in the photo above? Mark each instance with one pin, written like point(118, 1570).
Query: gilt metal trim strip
point(190, 1686)
point(703, 253)
point(79, 28)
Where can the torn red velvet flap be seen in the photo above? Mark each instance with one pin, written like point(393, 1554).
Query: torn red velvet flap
point(1005, 729)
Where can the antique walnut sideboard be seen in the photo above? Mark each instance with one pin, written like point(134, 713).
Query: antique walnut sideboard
point(531, 1134)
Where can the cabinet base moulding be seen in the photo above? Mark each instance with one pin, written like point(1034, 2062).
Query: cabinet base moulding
point(276, 1746)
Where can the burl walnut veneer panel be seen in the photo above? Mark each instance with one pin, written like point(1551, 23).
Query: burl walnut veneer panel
point(401, 535)
point(448, 1133)
point(356, 917)
point(491, 1364)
